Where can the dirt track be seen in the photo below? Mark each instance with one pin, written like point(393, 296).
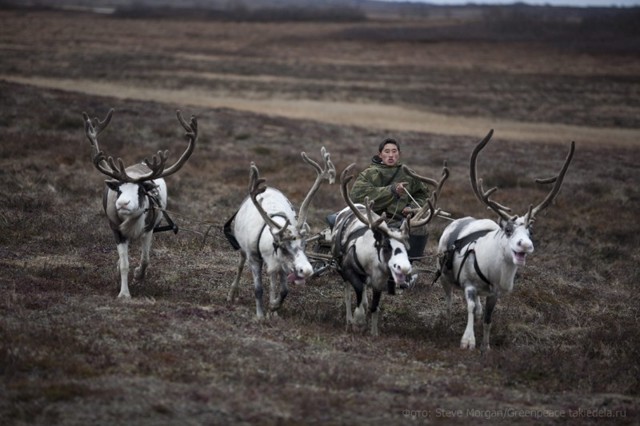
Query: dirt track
point(369, 115)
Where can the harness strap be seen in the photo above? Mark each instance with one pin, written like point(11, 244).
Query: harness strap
point(338, 229)
point(155, 204)
point(456, 246)
point(479, 272)
point(339, 256)
point(476, 267)
point(468, 239)
point(171, 225)
point(357, 262)
point(275, 248)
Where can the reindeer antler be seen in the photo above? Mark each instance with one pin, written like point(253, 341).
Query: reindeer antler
point(255, 189)
point(192, 135)
point(420, 219)
point(116, 168)
point(328, 173)
point(502, 211)
point(476, 184)
point(345, 178)
point(105, 165)
point(558, 179)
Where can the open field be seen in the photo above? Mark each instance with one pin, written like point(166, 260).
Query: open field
point(566, 342)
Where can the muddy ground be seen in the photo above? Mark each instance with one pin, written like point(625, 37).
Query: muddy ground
point(565, 343)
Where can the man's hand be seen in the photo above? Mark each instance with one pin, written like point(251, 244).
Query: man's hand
point(399, 188)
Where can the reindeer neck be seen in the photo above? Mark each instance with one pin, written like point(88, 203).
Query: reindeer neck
point(499, 271)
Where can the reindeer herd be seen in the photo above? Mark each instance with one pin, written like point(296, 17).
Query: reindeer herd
point(478, 257)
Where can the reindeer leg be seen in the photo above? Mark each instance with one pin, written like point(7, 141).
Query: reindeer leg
point(284, 290)
point(139, 272)
point(447, 287)
point(375, 304)
point(347, 303)
point(274, 284)
point(468, 338)
point(233, 292)
point(123, 267)
point(491, 301)
point(256, 270)
point(360, 313)
point(478, 310)
point(365, 298)
point(278, 299)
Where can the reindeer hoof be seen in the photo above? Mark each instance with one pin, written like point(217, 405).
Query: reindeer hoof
point(138, 274)
point(273, 316)
point(275, 306)
point(359, 327)
point(467, 344)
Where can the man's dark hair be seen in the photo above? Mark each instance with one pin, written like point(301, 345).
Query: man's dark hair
point(388, 141)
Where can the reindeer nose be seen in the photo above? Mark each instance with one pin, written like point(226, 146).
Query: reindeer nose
point(305, 271)
point(526, 245)
point(399, 267)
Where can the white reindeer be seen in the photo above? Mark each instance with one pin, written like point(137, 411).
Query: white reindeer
point(368, 251)
point(480, 257)
point(136, 196)
point(268, 231)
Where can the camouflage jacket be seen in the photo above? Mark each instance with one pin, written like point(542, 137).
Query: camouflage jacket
point(376, 182)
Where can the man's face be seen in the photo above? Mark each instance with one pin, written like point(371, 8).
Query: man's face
point(390, 154)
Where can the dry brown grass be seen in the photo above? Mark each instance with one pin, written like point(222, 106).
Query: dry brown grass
point(565, 342)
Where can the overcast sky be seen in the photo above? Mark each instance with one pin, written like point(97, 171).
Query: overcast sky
point(578, 3)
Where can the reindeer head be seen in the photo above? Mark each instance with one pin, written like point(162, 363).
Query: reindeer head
point(289, 238)
point(391, 244)
point(134, 183)
point(516, 229)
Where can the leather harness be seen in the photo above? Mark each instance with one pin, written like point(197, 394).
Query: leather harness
point(275, 247)
point(457, 246)
point(352, 248)
point(154, 203)
point(228, 232)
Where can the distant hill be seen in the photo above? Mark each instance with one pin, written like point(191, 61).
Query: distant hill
point(517, 19)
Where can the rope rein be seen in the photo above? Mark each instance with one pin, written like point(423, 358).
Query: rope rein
point(155, 205)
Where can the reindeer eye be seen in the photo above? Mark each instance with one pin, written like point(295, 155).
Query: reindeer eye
point(397, 251)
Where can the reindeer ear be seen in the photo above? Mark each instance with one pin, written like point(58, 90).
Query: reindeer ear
point(276, 234)
point(113, 184)
point(149, 185)
point(378, 236)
